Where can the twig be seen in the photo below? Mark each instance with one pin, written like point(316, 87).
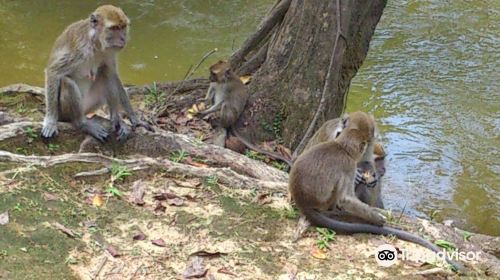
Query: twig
point(326, 88)
point(195, 68)
point(100, 265)
point(14, 88)
point(135, 272)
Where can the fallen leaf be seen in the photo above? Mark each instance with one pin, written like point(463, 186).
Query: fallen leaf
point(137, 194)
point(195, 269)
point(318, 253)
point(263, 199)
point(284, 151)
point(175, 201)
point(165, 196)
point(191, 112)
point(139, 236)
point(245, 79)
point(64, 229)
point(89, 224)
point(224, 270)
point(188, 183)
point(160, 208)
point(4, 218)
point(159, 242)
point(50, 197)
point(97, 200)
point(203, 253)
point(113, 251)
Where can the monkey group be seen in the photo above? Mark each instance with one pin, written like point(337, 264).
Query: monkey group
point(339, 173)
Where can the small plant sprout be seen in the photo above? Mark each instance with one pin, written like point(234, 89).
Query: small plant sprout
point(325, 237)
point(113, 190)
point(213, 181)
point(118, 172)
point(446, 245)
point(280, 165)
point(53, 147)
point(467, 235)
point(291, 213)
point(18, 207)
point(254, 155)
point(433, 214)
point(31, 133)
point(154, 95)
point(178, 156)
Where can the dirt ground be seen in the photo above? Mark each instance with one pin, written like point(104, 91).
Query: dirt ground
point(153, 223)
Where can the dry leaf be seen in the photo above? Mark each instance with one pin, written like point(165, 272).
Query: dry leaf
point(159, 242)
point(175, 201)
point(165, 196)
point(97, 200)
point(203, 253)
point(160, 208)
point(318, 253)
point(224, 270)
point(246, 79)
point(64, 229)
point(195, 269)
point(113, 251)
point(139, 236)
point(4, 218)
point(188, 183)
point(137, 194)
point(191, 112)
point(50, 197)
point(89, 224)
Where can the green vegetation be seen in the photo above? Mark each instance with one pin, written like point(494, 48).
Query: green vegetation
point(325, 237)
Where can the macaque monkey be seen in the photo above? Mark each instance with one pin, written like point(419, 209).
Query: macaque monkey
point(369, 188)
point(229, 97)
point(82, 75)
point(322, 178)
point(369, 170)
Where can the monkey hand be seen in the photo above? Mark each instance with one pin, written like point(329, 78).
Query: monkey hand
point(138, 123)
point(121, 130)
point(361, 180)
point(377, 218)
point(94, 129)
point(49, 129)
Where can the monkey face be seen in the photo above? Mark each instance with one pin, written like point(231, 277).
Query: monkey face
point(110, 24)
point(220, 72)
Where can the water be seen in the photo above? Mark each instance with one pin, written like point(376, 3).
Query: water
point(431, 79)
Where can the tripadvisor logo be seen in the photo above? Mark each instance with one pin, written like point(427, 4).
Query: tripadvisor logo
point(387, 255)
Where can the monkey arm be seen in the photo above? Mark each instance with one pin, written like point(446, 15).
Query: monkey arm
point(52, 91)
point(212, 109)
point(210, 94)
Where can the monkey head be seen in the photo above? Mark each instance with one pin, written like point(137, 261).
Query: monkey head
point(220, 72)
point(109, 28)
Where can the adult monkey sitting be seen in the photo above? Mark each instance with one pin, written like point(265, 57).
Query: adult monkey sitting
point(82, 75)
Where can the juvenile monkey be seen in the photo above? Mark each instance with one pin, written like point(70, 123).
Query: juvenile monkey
point(229, 97)
point(322, 178)
point(369, 170)
point(369, 188)
point(82, 75)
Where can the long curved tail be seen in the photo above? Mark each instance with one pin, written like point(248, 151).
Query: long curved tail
point(253, 147)
point(320, 219)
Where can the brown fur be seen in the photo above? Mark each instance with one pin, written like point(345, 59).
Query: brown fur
point(313, 189)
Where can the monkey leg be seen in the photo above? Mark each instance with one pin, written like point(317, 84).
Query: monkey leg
point(355, 207)
point(71, 109)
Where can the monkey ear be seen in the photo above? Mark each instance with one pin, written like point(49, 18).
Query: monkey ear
point(345, 121)
point(93, 20)
point(227, 73)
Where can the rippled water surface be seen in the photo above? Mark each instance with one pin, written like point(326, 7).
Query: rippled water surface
point(431, 79)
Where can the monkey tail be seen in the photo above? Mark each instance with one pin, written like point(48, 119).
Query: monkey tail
point(320, 219)
point(253, 147)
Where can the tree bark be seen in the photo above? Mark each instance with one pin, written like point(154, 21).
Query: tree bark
point(312, 49)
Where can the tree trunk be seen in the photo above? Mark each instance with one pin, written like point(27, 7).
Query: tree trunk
point(303, 54)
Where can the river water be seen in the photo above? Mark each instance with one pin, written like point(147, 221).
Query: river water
point(431, 79)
